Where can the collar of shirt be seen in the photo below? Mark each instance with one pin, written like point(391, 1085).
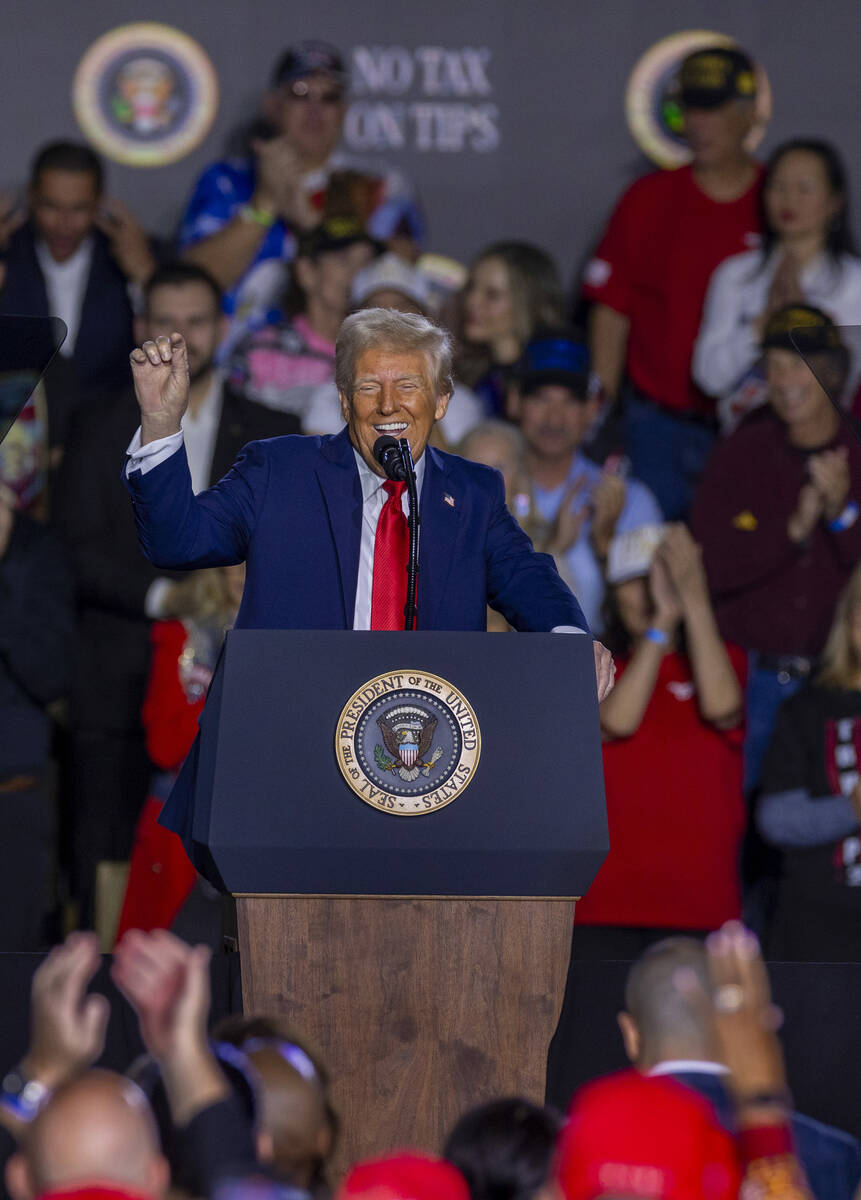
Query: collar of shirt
point(66, 283)
point(373, 483)
point(688, 1066)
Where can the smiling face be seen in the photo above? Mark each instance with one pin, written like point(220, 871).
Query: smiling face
point(793, 390)
point(393, 393)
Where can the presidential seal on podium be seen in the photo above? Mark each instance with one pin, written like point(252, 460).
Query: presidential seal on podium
point(407, 743)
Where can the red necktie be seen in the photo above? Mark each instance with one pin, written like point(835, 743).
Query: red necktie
point(391, 549)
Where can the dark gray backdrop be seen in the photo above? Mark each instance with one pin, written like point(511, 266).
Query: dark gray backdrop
point(556, 71)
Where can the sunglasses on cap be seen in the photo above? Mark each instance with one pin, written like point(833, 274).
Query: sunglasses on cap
point(301, 91)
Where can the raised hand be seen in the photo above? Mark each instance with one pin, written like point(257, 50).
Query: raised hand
point(160, 373)
point(280, 184)
point(569, 520)
point(808, 511)
point(665, 595)
point(68, 1025)
point(128, 240)
point(829, 474)
point(608, 500)
point(167, 984)
point(682, 558)
point(745, 1019)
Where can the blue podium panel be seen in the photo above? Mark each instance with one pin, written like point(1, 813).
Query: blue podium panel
point(471, 765)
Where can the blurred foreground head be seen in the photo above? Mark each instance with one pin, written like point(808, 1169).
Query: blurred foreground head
point(96, 1130)
point(632, 1135)
point(297, 1125)
point(504, 1149)
point(406, 1176)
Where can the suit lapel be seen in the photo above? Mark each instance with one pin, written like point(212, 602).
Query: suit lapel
point(441, 510)
point(338, 477)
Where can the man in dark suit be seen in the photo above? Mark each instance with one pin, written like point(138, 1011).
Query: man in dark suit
point(667, 1030)
point(76, 256)
point(309, 514)
point(119, 592)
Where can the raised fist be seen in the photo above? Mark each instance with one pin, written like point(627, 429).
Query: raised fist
point(160, 373)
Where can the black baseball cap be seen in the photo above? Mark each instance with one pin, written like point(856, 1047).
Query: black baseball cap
point(803, 329)
point(309, 58)
point(712, 76)
point(554, 356)
point(334, 233)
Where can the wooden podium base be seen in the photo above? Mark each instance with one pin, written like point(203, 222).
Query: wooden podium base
point(420, 1007)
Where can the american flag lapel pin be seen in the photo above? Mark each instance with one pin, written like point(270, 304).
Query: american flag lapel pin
point(448, 499)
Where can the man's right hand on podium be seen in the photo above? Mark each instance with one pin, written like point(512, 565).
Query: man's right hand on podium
point(160, 373)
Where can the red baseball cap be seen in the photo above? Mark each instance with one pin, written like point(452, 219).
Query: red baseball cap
point(405, 1176)
point(650, 1136)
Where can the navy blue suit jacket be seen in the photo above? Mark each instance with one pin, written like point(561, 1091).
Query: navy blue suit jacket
point(291, 507)
point(830, 1157)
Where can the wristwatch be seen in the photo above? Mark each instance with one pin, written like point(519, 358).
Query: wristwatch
point(21, 1096)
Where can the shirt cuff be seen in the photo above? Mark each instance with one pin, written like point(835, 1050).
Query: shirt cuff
point(145, 458)
point(154, 599)
point(567, 629)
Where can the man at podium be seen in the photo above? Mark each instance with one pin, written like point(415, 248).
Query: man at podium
point(322, 529)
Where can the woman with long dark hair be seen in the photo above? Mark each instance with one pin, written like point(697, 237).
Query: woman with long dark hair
point(807, 257)
point(513, 289)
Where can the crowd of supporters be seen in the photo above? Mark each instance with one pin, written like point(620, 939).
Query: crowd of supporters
point(690, 459)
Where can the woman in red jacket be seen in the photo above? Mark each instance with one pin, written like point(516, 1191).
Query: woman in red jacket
point(185, 650)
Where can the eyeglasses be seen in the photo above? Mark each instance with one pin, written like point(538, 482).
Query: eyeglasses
point(299, 90)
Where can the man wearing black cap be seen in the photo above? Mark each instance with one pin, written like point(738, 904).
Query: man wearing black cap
point(777, 518)
point(650, 272)
point(245, 216)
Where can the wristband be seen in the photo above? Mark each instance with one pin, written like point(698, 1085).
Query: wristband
point(22, 1097)
point(657, 636)
point(257, 216)
point(846, 519)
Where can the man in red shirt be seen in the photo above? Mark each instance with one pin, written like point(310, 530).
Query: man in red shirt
point(650, 272)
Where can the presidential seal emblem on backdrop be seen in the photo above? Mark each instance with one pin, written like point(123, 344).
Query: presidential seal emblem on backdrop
point(145, 94)
point(407, 743)
point(655, 116)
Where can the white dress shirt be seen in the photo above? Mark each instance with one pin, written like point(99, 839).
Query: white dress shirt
point(66, 284)
point(688, 1066)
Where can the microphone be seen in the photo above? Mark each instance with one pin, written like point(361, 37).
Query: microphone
point(387, 452)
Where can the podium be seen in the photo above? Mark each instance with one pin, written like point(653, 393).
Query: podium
point(405, 821)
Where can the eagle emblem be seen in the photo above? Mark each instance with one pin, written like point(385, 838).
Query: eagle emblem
point(407, 734)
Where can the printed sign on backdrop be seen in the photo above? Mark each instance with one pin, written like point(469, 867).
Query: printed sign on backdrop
point(145, 94)
point(654, 115)
point(431, 99)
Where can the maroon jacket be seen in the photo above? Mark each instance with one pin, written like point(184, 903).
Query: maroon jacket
point(770, 594)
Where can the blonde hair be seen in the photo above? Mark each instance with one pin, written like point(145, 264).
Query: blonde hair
point(840, 663)
point(201, 596)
